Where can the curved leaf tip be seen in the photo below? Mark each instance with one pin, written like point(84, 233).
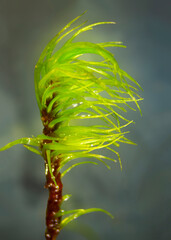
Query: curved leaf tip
point(24, 141)
point(77, 213)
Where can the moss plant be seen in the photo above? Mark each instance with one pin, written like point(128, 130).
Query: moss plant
point(70, 89)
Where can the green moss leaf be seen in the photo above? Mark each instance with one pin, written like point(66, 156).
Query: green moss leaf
point(77, 213)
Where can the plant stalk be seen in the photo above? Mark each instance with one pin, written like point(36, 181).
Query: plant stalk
point(53, 184)
point(54, 201)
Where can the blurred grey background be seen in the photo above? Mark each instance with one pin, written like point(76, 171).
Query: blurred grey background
point(139, 196)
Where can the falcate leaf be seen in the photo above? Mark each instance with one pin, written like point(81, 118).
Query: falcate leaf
point(55, 40)
point(51, 45)
point(29, 141)
point(75, 49)
point(129, 77)
point(112, 150)
point(86, 28)
point(77, 164)
point(33, 149)
point(67, 157)
point(77, 213)
point(111, 44)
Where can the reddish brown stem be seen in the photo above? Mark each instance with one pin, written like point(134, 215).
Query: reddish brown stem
point(55, 190)
point(54, 201)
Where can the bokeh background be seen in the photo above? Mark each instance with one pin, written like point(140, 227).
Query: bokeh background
point(139, 197)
